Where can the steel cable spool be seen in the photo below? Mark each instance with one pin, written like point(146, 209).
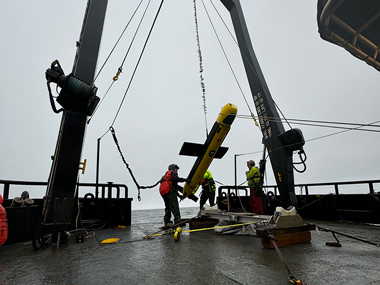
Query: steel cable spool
point(76, 95)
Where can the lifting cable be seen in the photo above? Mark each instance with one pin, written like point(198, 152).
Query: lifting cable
point(116, 77)
point(117, 113)
point(357, 128)
point(325, 124)
point(109, 55)
point(138, 62)
point(264, 85)
point(253, 70)
point(203, 87)
point(127, 165)
point(346, 130)
point(228, 61)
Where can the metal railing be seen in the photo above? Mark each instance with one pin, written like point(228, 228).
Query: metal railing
point(335, 186)
point(306, 187)
point(104, 187)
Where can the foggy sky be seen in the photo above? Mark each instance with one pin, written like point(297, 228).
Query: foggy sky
point(308, 78)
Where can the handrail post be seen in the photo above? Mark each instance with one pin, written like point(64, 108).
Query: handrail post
point(109, 190)
point(103, 191)
point(235, 172)
point(97, 169)
point(109, 202)
point(6, 191)
point(371, 188)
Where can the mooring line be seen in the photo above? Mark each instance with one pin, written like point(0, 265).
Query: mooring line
point(355, 238)
point(211, 228)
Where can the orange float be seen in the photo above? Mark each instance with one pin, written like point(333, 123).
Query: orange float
point(3, 223)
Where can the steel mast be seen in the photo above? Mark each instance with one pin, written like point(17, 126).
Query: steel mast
point(280, 144)
point(62, 183)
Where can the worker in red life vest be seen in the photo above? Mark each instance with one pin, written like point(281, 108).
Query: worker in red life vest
point(169, 192)
point(254, 183)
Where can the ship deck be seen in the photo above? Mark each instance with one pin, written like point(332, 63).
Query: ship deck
point(202, 257)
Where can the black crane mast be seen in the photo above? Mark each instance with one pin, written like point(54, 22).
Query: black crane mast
point(78, 99)
point(279, 143)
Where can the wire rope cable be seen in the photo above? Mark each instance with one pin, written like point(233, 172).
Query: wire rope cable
point(135, 69)
point(203, 87)
point(138, 62)
point(263, 84)
point(120, 69)
point(117, 42)
point(227, 59)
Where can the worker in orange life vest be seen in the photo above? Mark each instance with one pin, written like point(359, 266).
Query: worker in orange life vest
point(169, 191)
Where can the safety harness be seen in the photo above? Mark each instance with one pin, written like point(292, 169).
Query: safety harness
point(256, 185)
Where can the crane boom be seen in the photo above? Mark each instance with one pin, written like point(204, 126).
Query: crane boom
point(280, 144)
point(63, 176)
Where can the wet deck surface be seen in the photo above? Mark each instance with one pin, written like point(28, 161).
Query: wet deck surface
point(197, 258)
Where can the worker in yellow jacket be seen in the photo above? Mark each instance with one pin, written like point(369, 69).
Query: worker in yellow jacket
point(254, 183)
point(208, 189)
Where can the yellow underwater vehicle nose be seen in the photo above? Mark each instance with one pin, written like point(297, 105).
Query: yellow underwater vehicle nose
point(210, 149)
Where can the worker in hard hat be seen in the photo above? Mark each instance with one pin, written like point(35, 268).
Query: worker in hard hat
point(169, 191)
point(254, 183)
point(208, 189)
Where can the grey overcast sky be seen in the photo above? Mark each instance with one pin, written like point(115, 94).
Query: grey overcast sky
point(308, 78)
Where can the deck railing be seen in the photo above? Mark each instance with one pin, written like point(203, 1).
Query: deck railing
point(305, 187)
point(107, 188)
point(104, 187)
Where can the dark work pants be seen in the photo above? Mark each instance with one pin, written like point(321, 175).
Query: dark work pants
point(171, 207)
point(209, 194)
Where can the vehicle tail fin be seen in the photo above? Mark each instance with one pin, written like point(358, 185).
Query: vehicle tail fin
point(195, 149)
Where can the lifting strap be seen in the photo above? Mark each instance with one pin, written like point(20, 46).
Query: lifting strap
point(129, 169)
point(291, 278)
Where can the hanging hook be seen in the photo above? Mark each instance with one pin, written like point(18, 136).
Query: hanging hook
point(116, 77)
